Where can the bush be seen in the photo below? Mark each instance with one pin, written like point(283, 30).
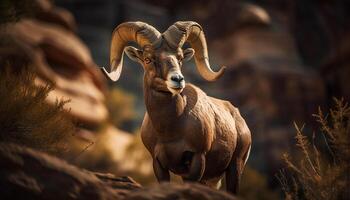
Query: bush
point(26, 118)
point(317, 174)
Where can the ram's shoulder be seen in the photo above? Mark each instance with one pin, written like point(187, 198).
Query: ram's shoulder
point(193, 91)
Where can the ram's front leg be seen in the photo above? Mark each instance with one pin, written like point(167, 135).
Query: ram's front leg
point(162, 174)
point(197, 167)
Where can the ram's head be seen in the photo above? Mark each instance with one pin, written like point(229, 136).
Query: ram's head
point(161, 55)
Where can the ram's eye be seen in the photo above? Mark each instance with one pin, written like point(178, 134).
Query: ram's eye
point(147, 60)
point(180, 58)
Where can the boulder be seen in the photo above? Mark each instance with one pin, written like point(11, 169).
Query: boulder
point(46, 11)
point(167, 191)
point(28, 174)
point(49, 44)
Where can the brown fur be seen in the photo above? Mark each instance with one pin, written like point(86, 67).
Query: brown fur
point(198, 137)
point(191, 134)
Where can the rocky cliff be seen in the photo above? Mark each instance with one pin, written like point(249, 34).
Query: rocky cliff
point(47, 41)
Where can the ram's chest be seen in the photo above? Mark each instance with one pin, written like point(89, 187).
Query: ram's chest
point(175, 155)
point(199, 128)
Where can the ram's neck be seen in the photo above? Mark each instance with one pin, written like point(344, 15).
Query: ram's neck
point(164, 110)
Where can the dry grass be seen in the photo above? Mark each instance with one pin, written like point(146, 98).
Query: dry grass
point(26, 118)
point(317, 174)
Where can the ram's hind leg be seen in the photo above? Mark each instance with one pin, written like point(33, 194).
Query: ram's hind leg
point(241, 153)
point(233, 175)
point(235, 170)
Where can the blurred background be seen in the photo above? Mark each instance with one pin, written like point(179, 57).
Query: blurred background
point(284, 58)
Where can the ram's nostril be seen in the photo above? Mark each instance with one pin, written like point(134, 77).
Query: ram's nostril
point(174, 78)
point(177, 78)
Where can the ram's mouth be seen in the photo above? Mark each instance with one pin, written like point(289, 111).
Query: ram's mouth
point(161, 86)
point(167, 92)
point(175, 90)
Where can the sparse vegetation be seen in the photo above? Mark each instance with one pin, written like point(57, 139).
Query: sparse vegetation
point(321, 174)
point(26, 118)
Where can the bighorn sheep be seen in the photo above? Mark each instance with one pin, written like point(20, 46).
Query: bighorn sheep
point(198, 137)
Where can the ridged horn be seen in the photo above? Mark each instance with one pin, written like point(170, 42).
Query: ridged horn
point(138, 32)
point(192, 32)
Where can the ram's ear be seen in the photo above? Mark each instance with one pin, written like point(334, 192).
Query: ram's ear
point(133, 53)
point(188, 54)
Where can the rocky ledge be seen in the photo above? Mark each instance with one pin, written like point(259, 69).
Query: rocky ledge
point(28, 174)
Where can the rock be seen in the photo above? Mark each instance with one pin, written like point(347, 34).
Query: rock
point(48, 12)
point(60, 57)
point(124, 182)
point(28, 174)
point(167, 191)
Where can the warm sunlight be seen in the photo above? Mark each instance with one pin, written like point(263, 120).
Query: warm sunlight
point(201, 99)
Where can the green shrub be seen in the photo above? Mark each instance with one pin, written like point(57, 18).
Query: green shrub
point(26, 118)
point(317, 174)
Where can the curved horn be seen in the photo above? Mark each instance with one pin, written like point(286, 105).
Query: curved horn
point(139, 32)
point(192, 32)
